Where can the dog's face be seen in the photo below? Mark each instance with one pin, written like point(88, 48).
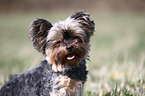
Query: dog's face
point(65, 43)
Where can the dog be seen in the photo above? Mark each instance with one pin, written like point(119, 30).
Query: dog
point(65, 45)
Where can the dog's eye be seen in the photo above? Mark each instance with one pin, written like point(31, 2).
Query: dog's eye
point(58, 43)
point(77, 39)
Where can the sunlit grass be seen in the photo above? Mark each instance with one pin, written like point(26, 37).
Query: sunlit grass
point(117, 56)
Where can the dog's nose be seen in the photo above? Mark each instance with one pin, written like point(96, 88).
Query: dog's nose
point(69, 48)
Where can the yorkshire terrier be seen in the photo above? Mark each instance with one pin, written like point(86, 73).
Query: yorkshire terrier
point(65, 45)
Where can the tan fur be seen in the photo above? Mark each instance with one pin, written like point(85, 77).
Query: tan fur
point(56, 64)
point(56, 34)
point(68, 87)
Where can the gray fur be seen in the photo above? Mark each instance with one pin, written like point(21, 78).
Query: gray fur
point(40, 80)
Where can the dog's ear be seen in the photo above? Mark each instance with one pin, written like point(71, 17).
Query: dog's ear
point(39, 30)
point(84, 19)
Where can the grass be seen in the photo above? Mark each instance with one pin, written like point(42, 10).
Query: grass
point(117, 56)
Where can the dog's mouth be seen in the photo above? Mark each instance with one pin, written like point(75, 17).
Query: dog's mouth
point(70, 57)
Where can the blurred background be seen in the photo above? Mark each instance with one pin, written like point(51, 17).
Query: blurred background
point(117, 56)
point(57, 5)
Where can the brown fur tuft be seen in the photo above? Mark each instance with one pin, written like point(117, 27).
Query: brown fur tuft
point(38, 33)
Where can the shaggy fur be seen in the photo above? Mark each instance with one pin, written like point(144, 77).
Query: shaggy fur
point(40, 80)
point(65, 45)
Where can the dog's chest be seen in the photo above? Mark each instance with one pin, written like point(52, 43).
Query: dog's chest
point(65, 86)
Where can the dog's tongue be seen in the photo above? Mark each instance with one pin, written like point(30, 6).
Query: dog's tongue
point(70, 57)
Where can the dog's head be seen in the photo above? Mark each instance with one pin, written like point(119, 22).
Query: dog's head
point(66, 42)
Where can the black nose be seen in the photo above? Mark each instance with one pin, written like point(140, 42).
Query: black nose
point(69, 48)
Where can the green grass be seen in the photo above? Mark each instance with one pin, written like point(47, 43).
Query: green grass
point(117, 56)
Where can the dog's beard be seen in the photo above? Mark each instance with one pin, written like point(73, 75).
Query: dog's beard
point(61, 59)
